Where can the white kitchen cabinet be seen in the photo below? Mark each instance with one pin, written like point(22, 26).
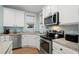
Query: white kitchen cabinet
point(31, 41)
point(53, 9)
point(25, 40)
point(9, 17)
point(76, 13)
point(68, 14)
point(46, 11)
point(60, 49)
point(49, 10)
point(34, 41)
point(7, 38)
point(13, 17)
point(19, 18)
point(4, 38)
point(55, 51)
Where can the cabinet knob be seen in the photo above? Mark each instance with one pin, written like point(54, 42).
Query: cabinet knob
point(52, 49)
point(59, 22)
point(61, 49)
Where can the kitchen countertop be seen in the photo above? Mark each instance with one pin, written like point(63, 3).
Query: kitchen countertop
point(4, 46)
point(26, 33)
point(68, 44)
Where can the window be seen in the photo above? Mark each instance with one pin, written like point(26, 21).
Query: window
point(30, 21)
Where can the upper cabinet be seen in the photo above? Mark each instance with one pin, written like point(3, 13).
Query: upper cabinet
point(46, 11)
point(49, 10)
point(53, 9)
point(8, 17)
point(19, 18)
point(13, 17)
point(68, 14)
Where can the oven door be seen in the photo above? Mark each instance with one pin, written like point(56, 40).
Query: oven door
point(46, 46)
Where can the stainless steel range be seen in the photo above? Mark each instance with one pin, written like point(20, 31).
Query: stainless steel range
point(46, 41)
point(46, 46)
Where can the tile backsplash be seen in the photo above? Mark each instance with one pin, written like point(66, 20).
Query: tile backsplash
point(72, 29)
point(15, 29)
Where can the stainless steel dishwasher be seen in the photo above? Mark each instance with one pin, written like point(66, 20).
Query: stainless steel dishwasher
point(16, 41)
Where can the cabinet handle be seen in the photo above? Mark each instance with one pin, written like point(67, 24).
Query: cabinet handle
point(61, 49)
point(59, 22)
point(52, 49)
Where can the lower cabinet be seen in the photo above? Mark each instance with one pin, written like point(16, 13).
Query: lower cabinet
point(4, 38)
point(31, 41)
point(55, 51)
point(60, 49)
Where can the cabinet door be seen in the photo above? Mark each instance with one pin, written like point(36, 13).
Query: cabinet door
point(9, 17)
point(47, 11)
point(44, 12)
point(37, 42)
point(25, 40)
point(7, 38)
point(68, 14)
point(34, 41)
point(55, 51)
point(53, 9)
point(31, 41)
point(63, 49)
point(76, 13)
point(65, 14)
point(19, 18)
point(2, 38)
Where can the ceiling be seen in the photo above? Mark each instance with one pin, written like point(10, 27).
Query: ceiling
point(29, 8)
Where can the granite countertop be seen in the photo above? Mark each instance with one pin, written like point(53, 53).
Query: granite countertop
point(26, 33)
point(68, 44)
point(4, 46)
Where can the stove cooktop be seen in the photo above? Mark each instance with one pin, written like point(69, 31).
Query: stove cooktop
point(47, 37)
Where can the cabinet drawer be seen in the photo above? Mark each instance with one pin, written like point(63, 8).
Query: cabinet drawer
point(63, 49)
point(55, 51)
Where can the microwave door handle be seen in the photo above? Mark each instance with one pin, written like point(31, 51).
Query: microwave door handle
point(52, 19)
point(56, 19)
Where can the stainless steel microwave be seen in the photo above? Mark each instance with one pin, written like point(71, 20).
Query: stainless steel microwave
point(52, 20)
